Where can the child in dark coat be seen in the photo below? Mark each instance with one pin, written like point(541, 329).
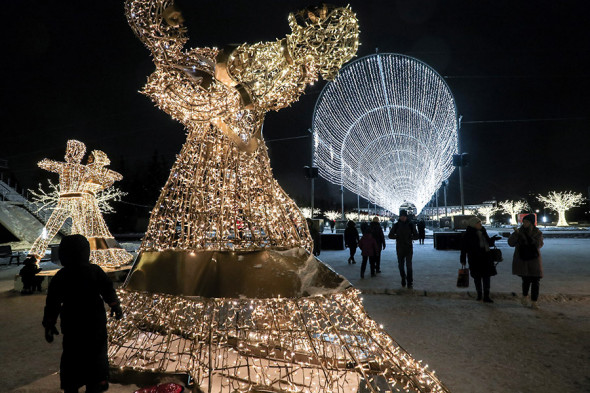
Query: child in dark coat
point(76, 294)
point(28, 275)
point(370, 249)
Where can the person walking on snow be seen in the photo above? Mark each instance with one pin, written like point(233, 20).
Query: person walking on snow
point(527, 262)
point(404, 233)
point(369, 250)
point(351, 239)
point(379, 237)
point(421, 231)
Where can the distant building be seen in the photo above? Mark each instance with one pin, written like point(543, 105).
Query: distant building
point(430, 211)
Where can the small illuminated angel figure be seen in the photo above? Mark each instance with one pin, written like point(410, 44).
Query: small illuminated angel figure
point(78, 186)
point(225, 289)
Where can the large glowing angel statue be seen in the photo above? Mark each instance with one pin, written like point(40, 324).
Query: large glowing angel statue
point(78, 186)
point(225, 289)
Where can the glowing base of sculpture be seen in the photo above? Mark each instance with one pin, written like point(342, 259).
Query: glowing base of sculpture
point(318, 339)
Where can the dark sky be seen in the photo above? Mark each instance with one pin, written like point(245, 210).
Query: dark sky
point(73, 70)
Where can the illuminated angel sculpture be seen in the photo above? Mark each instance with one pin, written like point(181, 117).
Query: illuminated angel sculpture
point(224, 289)
point(78, 186)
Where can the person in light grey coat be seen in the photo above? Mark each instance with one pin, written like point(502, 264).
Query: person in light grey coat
point(527, 262)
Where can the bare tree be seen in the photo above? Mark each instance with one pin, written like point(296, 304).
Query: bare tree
point(512, 208)
point(561, 202)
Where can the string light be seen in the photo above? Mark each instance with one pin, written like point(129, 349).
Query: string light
point(195, 303)
point(386, 129)
point(79, 185)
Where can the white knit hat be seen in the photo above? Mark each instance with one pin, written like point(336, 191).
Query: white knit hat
point(473, 221)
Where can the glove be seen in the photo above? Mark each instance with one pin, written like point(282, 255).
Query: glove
point(49, 333)
point(117, 311)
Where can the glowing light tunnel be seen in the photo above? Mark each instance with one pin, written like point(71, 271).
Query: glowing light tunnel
point(386, 129)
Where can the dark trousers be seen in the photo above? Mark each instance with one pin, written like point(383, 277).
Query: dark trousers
point(352, 251)
point(479, 280)
point(404, 262)
point(364, 265)
point(533, 284)
point(378, 261)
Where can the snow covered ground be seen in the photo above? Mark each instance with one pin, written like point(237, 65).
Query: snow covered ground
point(474, 347)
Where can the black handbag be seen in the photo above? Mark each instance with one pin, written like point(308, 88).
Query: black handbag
point(463, 278)
point(496, 254)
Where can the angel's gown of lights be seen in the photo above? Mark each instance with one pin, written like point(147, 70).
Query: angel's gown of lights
point(78, 187)
point(224, 288)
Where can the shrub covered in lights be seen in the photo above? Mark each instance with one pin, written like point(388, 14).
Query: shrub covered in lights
point(225, 289)
point(386, 129)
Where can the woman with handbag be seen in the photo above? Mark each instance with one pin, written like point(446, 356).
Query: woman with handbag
point(476, 249)
point(527, 262)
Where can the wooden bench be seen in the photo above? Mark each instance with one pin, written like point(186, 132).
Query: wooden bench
point(6, 251)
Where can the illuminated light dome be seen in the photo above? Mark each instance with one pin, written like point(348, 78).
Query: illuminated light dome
point(386, 129)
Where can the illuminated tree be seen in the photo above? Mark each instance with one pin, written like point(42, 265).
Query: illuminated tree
point(306, 211)
point(78, 188)
point(333, 215)
point(512, 208)
point(386, 129)
point(487, 211)
point(561, 202)
point(225, 289)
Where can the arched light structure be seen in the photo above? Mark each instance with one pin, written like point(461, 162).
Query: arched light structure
point(386, 129)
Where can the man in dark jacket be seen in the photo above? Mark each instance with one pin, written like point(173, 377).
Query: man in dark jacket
point(404, 232)
point(379, 237)
point(421, 231)
point(76, 294)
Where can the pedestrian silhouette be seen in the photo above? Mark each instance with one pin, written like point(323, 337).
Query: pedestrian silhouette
point(379, 237)
point(476, 249)
point(527, 262)
point(76, 294)
point(369, 249)
point(404, 232)
point(421, 231)
point(351, 239)
point(28, 274)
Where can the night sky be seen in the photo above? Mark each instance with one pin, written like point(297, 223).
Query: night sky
point(519, 72)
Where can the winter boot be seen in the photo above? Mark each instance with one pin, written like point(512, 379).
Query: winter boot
point(486, 297)
point(478, 295)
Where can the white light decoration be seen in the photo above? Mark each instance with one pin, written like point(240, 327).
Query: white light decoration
point(513, 208)
point(386, 129)
point(333, 215)
point(306, 211)
point(487, 211)
point(79, 186)
point(225, 289)
point(561, 202)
